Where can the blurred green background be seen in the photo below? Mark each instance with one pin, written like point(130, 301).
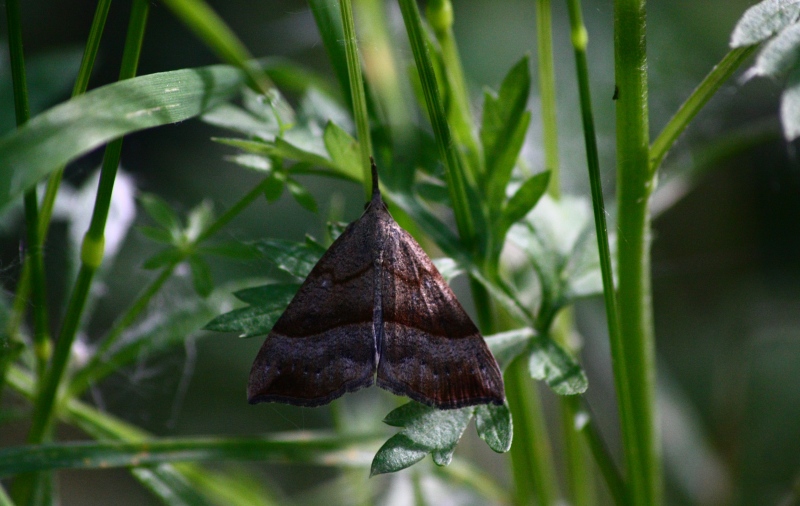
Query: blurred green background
point(726, 241)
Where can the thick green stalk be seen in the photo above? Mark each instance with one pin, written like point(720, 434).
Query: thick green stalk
point(634, 297)
point(456, 181)
point(34, 257)
point(534, 474)
point(80, 87)
point(357, 89)
point(721, 72)
point(580, 41)
point(439, 14)
point(547, 92)
point(92, 250)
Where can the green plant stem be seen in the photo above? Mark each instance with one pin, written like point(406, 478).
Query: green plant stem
point(92, 251)
point(33, 254)
point(547, 92)
point(80, 87)
point(531, 456)
point(634, 184)
point(357, 89)
point(456, 181)
point(580, 41)
point(613, 479)
point(721, 72)
point(439, 14)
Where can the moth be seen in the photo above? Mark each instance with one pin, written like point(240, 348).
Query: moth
point(375, 309)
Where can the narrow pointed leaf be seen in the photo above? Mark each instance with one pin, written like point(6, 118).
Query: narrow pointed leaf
point(160, 211)
point(156, 234)
point(396, 454)
point(273, 189)
point(65, 132)
point(344, 151)
point(502, 117)
point(267, 303)
point(301, 195)
point(522, 202)
point(162, 258)
point(201, 276)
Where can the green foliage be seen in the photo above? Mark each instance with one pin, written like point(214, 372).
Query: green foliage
point(466, 168)
point(61, 134)
point(777, 24)
point(427, 430)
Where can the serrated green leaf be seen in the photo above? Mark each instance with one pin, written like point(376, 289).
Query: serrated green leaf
point(343, 150)
point(277, 294)
point(59, 135)
point(396, 454)
point(157, 234)
point(549, 362)
point(296, 259)
point(506, 346)
point(494, 426)
point(230, 249)
point(429, 427)
point(248, 321)
point(790, 107)
point(160, 211)
point(779, 55)
point(251, 161)
point(504, 117)
point(162, 258)
point(201, 276)
point(763, 20)
point(301, 195)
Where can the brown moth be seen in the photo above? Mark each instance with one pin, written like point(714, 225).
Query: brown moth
point(375, 304)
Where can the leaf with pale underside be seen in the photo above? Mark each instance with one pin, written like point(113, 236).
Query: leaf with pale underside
point(427, 430)
point(764, 20)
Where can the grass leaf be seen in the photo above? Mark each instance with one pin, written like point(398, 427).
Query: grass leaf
point(65, 132)
point(303, 447)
